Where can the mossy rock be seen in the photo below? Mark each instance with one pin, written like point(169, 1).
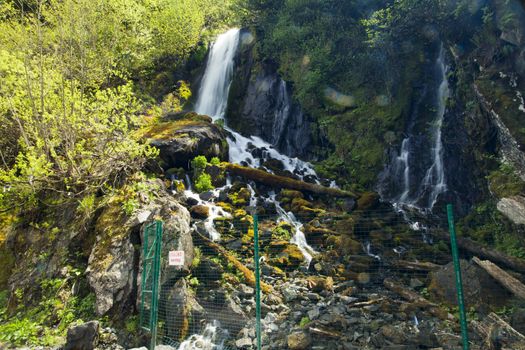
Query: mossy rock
point(286, 193)
point(285, 255)
point(283, 231)
point(368, 200)
point(319, 284)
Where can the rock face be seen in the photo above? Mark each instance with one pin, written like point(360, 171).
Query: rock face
point(479, 289)
point(110, 265)
point(180, 138)
point(83, 337)
point(299, 341)
point(261, 104)
point(513, 208)
point(115, 261)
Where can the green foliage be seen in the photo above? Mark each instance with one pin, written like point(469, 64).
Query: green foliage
point(197, 257)
point(46, 323)
point(198, 164)
point(504, 182)
point(215, 161)
point(203, 183)
point(304, 322)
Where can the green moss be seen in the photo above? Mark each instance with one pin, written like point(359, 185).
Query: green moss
point(505, 183)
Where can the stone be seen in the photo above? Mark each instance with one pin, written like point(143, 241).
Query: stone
point(314, 313)
point(243, 343)
point(393, 334)
point(299, 340)
point(83, 337)
point(200, 211)
point(480, 290)
point(319, 284)
point(518, 320)
point(513, 208)
point(179, 141)
point(143, 216)
point(290, 294)
point(416, 283)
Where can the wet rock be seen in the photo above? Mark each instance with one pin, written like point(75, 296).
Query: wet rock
point(243, 343)
point(183, 312)
point(200, 211)
point(83, 337)
point(299, 340)
point(368, 200)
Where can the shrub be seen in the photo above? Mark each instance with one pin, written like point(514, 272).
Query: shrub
point(203, 183)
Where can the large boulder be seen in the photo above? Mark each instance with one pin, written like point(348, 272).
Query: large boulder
point(110, 265)
point(480, 290)
point(182, 138)
point(116, 257)
point(83, 337)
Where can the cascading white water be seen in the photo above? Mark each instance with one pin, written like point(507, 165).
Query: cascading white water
point(213, 101)
point(282, 113)
point(210, 339)
point(435, 176)
point(213, 94)
point(402, 163)
point(298, 238)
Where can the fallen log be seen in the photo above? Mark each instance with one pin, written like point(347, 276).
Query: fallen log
point(272, 180)
point(249, 276)
point(498, 334)
point(415, 298)
point(506, 280)
point(477, 249)
point(416, 266)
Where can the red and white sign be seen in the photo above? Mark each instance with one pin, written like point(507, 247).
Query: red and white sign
point(176, 258)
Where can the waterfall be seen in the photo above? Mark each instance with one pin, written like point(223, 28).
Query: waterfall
point(213, 100)
point(416, 176)
point(212, 338)
point(435, 176)
point(213, 94)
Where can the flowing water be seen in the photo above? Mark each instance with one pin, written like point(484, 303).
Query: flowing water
point(212, 338)
point(423, 194)
point(213, 99)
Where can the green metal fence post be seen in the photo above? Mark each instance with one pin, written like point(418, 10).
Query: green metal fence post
point(459, 282)
point(257, 282)
point(155, 287)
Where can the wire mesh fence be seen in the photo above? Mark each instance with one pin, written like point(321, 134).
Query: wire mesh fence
point(362, 278)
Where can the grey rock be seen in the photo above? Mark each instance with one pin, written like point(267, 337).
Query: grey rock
point(243, 343)
point(513, 208)
point(314, 313)
point(83, 337)
point(299, 340)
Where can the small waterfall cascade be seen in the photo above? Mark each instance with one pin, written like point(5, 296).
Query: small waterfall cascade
point(298, 238)
point(420, 189)
point(435, 176)
point(282, 114)
point(212, 338)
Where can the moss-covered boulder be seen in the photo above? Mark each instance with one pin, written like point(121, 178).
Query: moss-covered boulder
point(284, 255)
point(182, 137)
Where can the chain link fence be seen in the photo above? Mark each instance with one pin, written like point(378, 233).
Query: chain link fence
point(295, 274)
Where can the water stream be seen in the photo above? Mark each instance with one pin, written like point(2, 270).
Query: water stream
point(212, 101)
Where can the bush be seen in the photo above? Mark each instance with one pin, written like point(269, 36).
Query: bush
point(203, 183)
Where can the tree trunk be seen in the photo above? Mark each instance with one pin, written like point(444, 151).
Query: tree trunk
point(506, 280)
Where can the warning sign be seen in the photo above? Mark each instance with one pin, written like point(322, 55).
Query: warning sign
point(176, 258)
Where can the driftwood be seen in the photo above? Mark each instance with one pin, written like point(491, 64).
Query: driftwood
point(249, 276)
point(272, 180)
point(416, 266)
point(415, 298)
point(477, 249)
point(498, 334)
point(506, 280)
